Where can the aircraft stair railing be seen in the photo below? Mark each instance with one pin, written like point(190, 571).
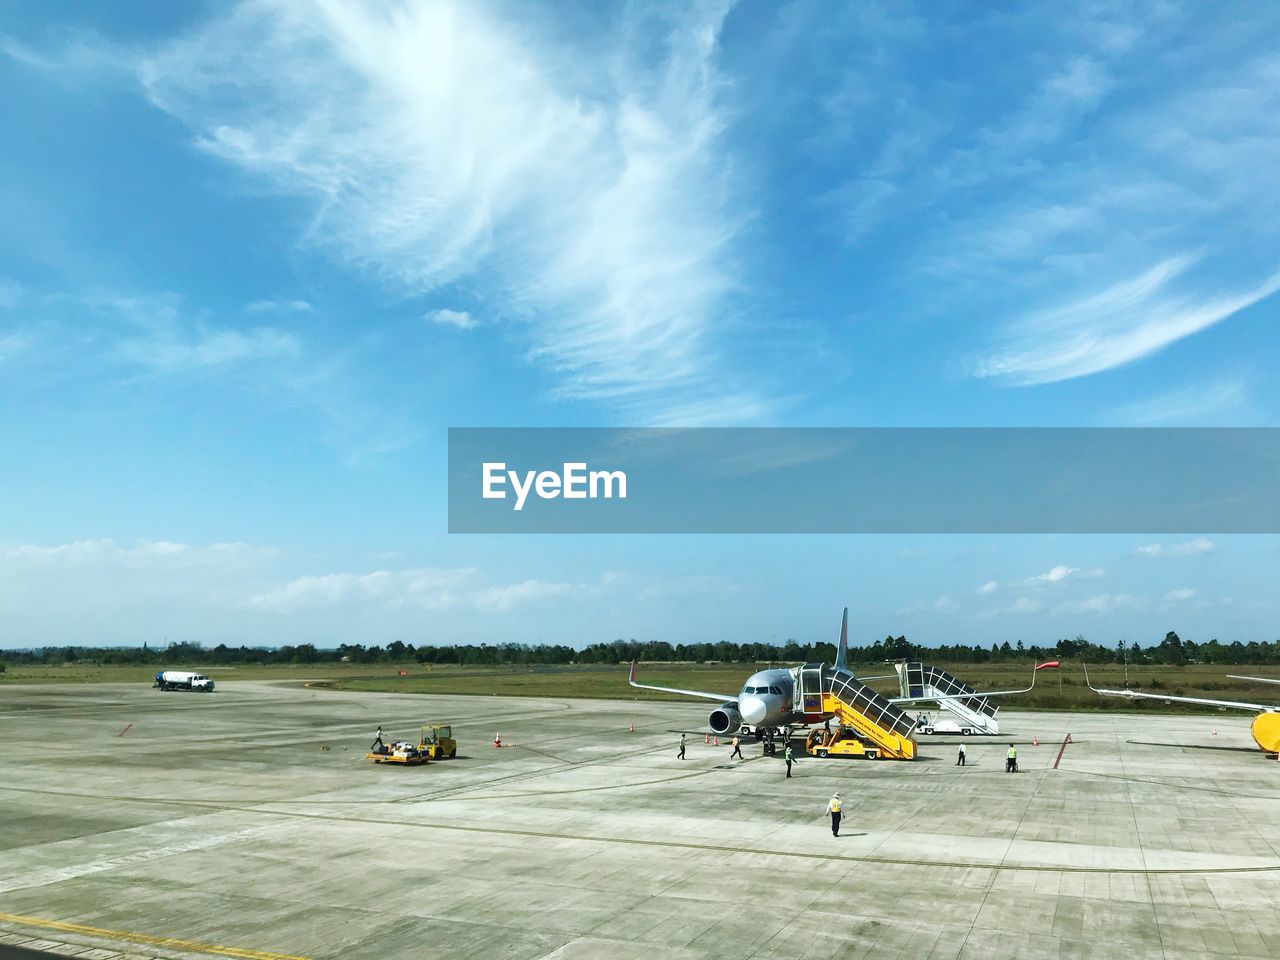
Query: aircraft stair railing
point(868, 714)
point(952, 694)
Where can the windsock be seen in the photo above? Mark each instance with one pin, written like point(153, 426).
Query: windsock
point(1048, 665)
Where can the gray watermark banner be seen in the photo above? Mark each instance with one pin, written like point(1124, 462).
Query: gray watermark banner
point(864, 480)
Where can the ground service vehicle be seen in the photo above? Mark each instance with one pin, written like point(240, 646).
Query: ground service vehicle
point(841, 742)
point(437, 741)
point(401, 751)
point(183, 680)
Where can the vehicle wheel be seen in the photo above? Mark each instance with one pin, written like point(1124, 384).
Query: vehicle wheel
point(928, 730)
point(822, 754)
point(453, 753)
point(966, 731)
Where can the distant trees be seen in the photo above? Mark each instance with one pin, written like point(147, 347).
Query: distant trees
point(1171, 650)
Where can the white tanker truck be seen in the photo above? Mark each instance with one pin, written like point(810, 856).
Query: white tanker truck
point(183, 680)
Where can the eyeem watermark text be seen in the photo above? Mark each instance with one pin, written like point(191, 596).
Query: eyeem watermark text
point(574, 482)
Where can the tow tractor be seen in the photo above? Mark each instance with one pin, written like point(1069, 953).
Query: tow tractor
point(437, 741)
point(840, 742)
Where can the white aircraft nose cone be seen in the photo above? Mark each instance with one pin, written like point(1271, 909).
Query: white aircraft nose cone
point(753, 709)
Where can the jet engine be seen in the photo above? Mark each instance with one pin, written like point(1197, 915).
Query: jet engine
point(724, 718)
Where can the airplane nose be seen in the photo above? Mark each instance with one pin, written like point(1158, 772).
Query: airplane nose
point(753, 709)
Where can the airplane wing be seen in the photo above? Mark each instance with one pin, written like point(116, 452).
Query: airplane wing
point(1139, 695)
point(976, 693)
point(1236, 676)
point(718, 697)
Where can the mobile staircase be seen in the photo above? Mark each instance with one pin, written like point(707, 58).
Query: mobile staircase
point(973, 714)
point(885, 731)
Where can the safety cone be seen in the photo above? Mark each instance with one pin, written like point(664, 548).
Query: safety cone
point(716, 742)
point(497, 740)
point(1035, 741)
point(631, 728)
point(1213, 732)
point(706, 738)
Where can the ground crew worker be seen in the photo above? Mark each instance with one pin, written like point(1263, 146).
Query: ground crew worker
point(377, 740)
point(833, 808)
point(680, 755)
point(737, 750)
point(788, 755)
point(1011, 760)
point(960, 759)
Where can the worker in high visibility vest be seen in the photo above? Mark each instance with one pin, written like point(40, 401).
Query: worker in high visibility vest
point(1011, 760)
point(789, 755)
point(833, 809)
point(737, 750)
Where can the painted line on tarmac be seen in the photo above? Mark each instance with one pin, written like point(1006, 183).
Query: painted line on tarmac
point(147, 939)
point(760, 852)
point(43, 878)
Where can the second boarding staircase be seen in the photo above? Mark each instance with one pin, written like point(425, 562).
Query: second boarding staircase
point(920, 681)
point(823, 689)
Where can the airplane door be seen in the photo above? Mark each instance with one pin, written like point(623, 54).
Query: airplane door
point(809, 689)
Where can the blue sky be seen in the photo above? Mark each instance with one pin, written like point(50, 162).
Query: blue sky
point(256, 260)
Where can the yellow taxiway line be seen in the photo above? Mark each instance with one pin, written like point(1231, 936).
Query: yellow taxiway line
point(144, 938)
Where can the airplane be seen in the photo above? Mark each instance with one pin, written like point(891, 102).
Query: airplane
point(1266, 723)
point(765, 706)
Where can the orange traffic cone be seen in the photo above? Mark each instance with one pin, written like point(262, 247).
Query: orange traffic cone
point(1213, 732)
point(716, 742)
point(706, 738)
point(1035, 741)
point(497, 740)
point(631, 728)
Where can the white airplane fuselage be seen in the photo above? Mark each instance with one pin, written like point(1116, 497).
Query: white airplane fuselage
point(766, 701)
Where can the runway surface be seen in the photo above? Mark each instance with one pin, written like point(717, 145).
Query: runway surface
point(247, 823)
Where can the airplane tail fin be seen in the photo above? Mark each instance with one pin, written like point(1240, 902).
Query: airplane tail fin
point(843, 648)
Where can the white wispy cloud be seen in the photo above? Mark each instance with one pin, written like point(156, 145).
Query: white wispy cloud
point(1113, 327)
point(1215, 403)
point(1179, 595)
point(1023, 606)
point(426, 588)
point(1185, 549)
point(13, 343)
point(1103, 603)
point(103, 552)
point(441, 144)
point(526, 591)
point(453, 318)
point(10, 293)
point(991, 586)
point(1058, 199)
point(204, 348)
point(1062, 572)
point(429, 588)
point(278, 306)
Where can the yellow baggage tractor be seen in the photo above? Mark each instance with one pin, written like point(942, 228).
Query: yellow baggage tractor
point(437, 741)
point(841, 742)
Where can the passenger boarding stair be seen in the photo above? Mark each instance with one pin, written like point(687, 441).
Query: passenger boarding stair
point(921, 681)
point(832, 690)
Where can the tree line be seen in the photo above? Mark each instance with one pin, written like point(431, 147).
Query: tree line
point(1171, 650)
